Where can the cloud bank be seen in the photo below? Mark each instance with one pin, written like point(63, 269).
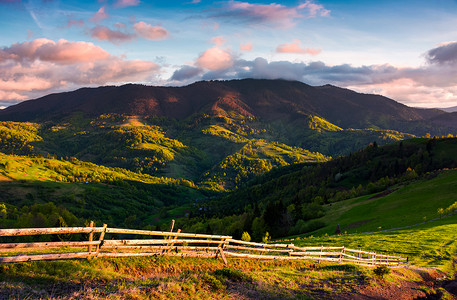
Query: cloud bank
point(275, 15)
point(42, 66)
point(122, 34)
point(432, 83)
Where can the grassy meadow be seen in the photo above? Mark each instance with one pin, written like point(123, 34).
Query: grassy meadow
point(401, 205)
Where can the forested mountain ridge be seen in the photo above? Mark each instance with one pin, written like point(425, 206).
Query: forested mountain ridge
point(266, 99)
point(220, 133)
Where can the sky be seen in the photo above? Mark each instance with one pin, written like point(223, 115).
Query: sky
point(405, 50)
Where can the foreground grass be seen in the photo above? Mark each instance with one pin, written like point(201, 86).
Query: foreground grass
point(190, 278)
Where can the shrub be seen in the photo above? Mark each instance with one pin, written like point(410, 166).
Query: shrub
point(233, 275)
point(381, 271)
point(211, 280)
point(246, 237)
point(266, 238)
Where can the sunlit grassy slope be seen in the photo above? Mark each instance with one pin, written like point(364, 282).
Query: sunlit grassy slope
point(433, 244)
point(427, 238)
point(406, 205)
point(91, 192)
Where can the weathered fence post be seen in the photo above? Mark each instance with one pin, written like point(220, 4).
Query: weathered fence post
point(169, 237)
point(173, 242)
point(91, 237)
point(221, 251)
point(341, 255)
point(171, 228)
point(101, 239)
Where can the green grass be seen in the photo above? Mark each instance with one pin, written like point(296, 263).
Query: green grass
point(407, 205)
point(187, 278)
point(433, 244)
point(90, 192)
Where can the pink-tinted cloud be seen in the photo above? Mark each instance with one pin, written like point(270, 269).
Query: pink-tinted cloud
point(411, 92)
point(150, 32)
point(62, 51)
point(215, 59)
point(273, 14)
point(314, 9)
point(30, 34)
point(246, 47)
point(99, 15)
point(218, 40)
point(294, 47)
point(120, 25)
point(103, 33)
point(76, 23)
point(35, 68)
point(7, 96)
point(125, 3)
point(210, 25)
point(27, 83)
point(434, 84)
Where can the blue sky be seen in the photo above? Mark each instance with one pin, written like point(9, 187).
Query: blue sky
point(405, 50)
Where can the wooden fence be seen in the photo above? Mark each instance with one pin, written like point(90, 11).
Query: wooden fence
point(113, 242)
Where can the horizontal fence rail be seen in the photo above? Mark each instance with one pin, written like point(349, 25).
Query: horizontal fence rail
point(150, 243)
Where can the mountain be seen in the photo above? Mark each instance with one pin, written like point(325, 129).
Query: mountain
point(213, 133)
point(270, 100)
point(446, 119)
point(449, 109)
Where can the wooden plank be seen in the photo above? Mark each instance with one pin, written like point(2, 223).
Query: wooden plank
point(359, 251)
point(352, 256)
point(159, 248)
point(241, 255)
point(40, 231)
point(257, 249)
point(54, 256)
point(258, 244)
point(164, 233)
point(107, 254)
point(47, 244)
point(155, 242)
point(316, 253)
point(315, 248)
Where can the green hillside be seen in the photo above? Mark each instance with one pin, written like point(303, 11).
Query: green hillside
point(405, 205)
point(43, 192)
point(433, 244)
point(306, 197)
point(220, 151)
